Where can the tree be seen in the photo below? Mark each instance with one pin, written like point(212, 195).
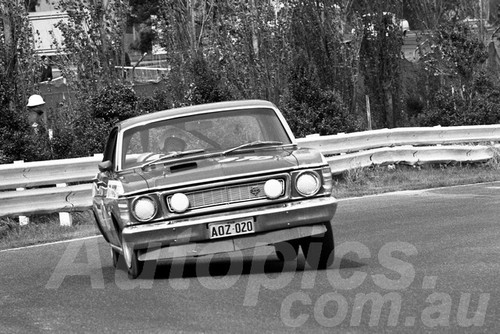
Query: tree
point(141, 14)
point(93, 42)
point(253, 44)
point(18, 75)
point(429, 14)
point(380, 59)
point(456, 53)
point(243, 42)
point(465, 95)
point(91, 56)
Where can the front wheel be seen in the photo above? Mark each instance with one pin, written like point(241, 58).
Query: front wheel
point(319, 250)
point(134, 266)
point(115, 256)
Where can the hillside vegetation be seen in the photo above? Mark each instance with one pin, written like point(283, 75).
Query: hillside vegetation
point(319, 61)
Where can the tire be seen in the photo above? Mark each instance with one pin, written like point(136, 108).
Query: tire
point(115, 256)
point(132, 263)
point(136, 266)
point(287, 251)
point(319, 251)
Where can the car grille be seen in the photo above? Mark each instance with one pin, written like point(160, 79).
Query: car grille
point(225, 195)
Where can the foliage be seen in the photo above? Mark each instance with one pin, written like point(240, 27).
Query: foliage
point(85, 132)
point(456, 108)
point(429, 14)
point(225, 42)
point(94, 51)
point(255, 49)
point(161, 99)
point(316, 59)
point(145, 42)
point(91, 55)
point(113, 103)
point(142, 10)
point(18, 75)
point(455, 51)
point(140, 15)
point(320, 49)
point(207, 84)
point(380, 58)
point(307, 107)
point(465, 94)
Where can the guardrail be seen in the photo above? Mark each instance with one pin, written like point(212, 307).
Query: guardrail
point(47, 186)
point(64, 185)
point(406, 145)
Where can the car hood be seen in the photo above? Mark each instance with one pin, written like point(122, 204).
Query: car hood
point(197, 170)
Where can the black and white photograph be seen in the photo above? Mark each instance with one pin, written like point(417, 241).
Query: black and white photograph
point(249, 166)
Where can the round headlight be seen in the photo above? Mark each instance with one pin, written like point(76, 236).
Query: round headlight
point(308, 184)
point(144, 208)
point(273, 188)
point(179, 202)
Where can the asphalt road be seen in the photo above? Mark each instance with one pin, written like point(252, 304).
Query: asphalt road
point(422, 261)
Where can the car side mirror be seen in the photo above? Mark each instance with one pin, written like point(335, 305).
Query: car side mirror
point(105, 166)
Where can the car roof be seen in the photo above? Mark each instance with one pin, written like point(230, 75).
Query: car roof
point(192, 110)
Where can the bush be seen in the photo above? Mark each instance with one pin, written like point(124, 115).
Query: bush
point(114, 102)
point(83, 127)
point(206, 86)
point(310, 109)
point(481, 106)
point(160, 100)
point(25, 145)
point(446, 110)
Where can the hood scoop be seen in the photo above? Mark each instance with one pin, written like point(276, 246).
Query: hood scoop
point(183, 166)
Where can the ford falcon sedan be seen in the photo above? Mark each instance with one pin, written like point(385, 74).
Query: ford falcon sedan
point(212, 178)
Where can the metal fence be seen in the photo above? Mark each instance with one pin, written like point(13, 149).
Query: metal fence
point(64, 186)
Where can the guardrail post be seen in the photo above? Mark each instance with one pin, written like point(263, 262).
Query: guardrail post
point(65, 218)
point(23, 220)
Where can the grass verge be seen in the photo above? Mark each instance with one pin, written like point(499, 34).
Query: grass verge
point(382, 179)
point(44, 229)
point(354, 183)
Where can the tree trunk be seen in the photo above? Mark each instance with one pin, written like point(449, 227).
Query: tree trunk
point(9, 47)
point(192, 32)
point(255, 38)
point(389, 105)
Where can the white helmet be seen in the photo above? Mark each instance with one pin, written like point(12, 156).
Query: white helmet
point(35, 100)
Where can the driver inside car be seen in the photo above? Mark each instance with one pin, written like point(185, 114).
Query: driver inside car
point(173, 144)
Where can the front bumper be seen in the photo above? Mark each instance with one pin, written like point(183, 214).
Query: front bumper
point(272, 224)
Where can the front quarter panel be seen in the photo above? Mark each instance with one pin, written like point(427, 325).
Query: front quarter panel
point(102, 208)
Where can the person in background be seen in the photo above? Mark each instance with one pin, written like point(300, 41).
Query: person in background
point(40, 136)
point(36, 115)
point(46, 74)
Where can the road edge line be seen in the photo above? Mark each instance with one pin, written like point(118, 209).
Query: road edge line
point(49, 243)
point(414, 191)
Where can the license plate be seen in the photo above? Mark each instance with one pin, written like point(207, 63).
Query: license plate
point(228, 229)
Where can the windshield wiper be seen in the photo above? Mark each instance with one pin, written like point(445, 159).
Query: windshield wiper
point(252, 144)
point(171, 156)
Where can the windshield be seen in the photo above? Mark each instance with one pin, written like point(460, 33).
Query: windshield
point(208, 133)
